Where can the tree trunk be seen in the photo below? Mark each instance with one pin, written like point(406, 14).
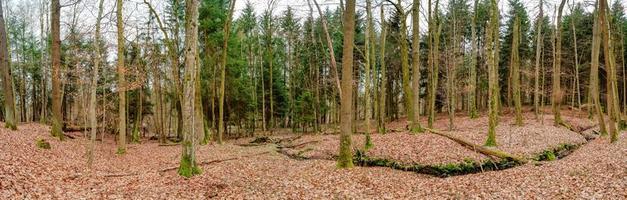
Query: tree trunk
point(472, 97)
point(493, 90)
point(515, 71)
point(7, 80)
point(368, 142)
point(557, 93)
point(225, 44)
point(121, 81)
point(536, 82)
point(55, 26)
point(416, 65)
point(94, 86)
point(594, 74)
point(382, 115)
point(612, 84)
point(345, 159)
point(188, 166)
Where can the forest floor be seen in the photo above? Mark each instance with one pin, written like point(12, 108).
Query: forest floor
point(295, 166)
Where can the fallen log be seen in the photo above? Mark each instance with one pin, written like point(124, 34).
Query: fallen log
point(301, 144)
point(481, 149)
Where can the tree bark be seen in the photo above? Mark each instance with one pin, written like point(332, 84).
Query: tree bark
point(557, 93)
point(94, 86)
point(7, 79)
point(345, 159)
point(493, 89)
point(515, 71)
point(539, 42)
point(121, 87)
point(57, 96)
point(612, 83)
point(382, 114)
point(223, 60)
point(594, 74)
point(188, 166)
point(416, 65)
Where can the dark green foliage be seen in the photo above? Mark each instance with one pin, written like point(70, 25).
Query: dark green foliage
point(42, 144)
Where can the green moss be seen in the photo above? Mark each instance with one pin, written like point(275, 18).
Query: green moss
point(207, 134)
point(56, 130)
point(42, 144)
point(188, 169)
point(490, 142)
point(120, 151)
point(473, 114)
point(368, 144)
point(622, 125)
point(417, 128)
point(135, 135)
point(10, 126)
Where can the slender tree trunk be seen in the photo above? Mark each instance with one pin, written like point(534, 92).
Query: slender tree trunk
point(382, 114)
point(368, 142)
point(594, 73)
point(557, 93)
point(491, 42)
point(325, 28)
point(7, 79)
point(612, 85)
point(223, 63)
point(94, 86)
point(515, 71)
point(536, 82)
point(472, 97)
point(345, 159)
point(121, 81)
point(416, 65)
point(577, 85)
point(434, 44)
point(188, 166)
point(55, 26)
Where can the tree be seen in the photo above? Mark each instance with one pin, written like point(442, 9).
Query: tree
point(416, 65)
point(472, 83)
point(121, 80)
point(188, 166)
point(435, 28)
point(345, 159)
point(536, 80)
point(7, 80)
point(594, 74)
point(382, 115)
point(369, 63)
point(493, 90)
point(515, 67)
point(94, 87)
point(227, 27)
point(612, 83)
point(557, 93)
point(55, 26)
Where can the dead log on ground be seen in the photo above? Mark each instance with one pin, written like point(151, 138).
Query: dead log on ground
point(481, 149)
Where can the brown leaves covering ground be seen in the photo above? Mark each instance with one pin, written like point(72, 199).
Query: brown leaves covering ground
point(595, 171)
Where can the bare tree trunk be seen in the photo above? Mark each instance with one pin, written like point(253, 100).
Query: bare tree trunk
point(188, 166)
point(121, 81)
point(612, 85)
point(325, 28)
point(382, 115)
point(472, 102)
point(515, 71)
point(7, 80)
point(491, 42)
point(227, 28)
point(55, 26)
point(577, 86)
point(416, 65)
point(594, 74)
point(536, 82)
point(94, 86)
point(368, 58)
point(345, 159)
point(557, 93)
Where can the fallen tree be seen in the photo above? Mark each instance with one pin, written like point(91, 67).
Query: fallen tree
point(481, 149)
